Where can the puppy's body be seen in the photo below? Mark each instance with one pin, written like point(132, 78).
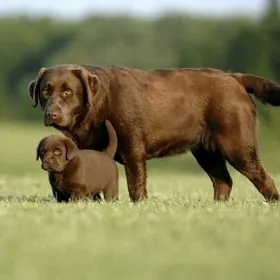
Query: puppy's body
point(75, 174)
point(86, 175)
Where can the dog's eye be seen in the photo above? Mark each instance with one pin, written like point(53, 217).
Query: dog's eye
point(45, 92)
point(67, 93)
point(57, 152)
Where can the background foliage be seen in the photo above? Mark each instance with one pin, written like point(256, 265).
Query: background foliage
point(169, 41)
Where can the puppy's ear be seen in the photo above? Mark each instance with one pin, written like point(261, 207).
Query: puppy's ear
point(71, 149)
point(92, 85)
point(38, 150)
point(33, 87)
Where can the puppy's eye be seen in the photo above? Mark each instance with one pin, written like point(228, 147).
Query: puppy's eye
point(57, 152)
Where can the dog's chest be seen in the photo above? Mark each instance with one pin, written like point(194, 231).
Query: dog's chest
point(65, 185)
point(57, 181)
point(95, 138)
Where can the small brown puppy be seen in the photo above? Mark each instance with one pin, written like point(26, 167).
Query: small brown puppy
point(75, 174)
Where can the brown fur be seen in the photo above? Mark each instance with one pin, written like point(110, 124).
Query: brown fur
point(162, 113)
point(76, 174)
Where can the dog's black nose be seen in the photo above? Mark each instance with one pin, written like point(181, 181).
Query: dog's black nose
point(52, 116)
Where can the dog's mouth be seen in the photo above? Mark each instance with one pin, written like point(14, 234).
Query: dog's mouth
point(57, 126)
point(54, 124)
point(58, 122)
point(49, 168)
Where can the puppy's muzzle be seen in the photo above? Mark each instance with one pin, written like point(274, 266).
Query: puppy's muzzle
point(51, 165)
point(46, 164)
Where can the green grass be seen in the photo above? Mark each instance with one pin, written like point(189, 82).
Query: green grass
point(179, 233)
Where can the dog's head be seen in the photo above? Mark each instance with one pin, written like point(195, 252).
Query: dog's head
point(66, 94)
point(55, 152)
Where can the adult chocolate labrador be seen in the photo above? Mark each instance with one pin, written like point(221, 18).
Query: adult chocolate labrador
point(161, 113)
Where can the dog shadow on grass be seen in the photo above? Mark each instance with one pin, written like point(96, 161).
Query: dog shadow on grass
point(28, 199)
point(41, 199)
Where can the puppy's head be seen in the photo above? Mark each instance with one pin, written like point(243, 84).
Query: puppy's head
point(55, 151)
point(66, 93)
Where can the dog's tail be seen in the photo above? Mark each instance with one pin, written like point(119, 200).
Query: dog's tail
point(266, 91)
point(113, 140)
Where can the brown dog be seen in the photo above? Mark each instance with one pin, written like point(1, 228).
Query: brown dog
point(75, 174)
point(161, 113)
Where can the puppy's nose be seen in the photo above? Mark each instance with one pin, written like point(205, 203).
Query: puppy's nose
point(48, 160)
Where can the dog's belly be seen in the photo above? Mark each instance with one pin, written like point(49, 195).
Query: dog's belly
point(164, 149)
point(174, 137)
point(174, 126)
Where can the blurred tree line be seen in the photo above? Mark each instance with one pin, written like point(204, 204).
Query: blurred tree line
point(172, 40)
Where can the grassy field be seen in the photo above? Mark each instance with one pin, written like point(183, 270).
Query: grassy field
point(179, 233)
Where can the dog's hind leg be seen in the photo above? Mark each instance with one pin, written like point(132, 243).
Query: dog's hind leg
point(239, 146)
point(214, 164)
point(244, 158)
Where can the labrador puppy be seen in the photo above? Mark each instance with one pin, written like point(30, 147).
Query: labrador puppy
point(160, 113)
point(76, 174)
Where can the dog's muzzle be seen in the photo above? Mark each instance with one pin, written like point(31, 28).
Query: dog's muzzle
point(52, 118)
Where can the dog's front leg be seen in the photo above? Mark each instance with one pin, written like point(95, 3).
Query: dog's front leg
point(135, 169)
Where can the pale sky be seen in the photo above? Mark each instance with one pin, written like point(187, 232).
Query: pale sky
point(79, 8)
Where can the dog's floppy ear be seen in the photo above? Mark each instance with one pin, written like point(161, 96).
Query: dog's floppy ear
point(71, 149)
point(38, 150)
point(33, 87)
point(91, 83)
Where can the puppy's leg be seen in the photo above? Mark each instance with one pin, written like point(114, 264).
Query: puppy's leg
point(111, 192)
point(74, 197)
point(60, 196)
point(214, 164)
point(97, 198)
